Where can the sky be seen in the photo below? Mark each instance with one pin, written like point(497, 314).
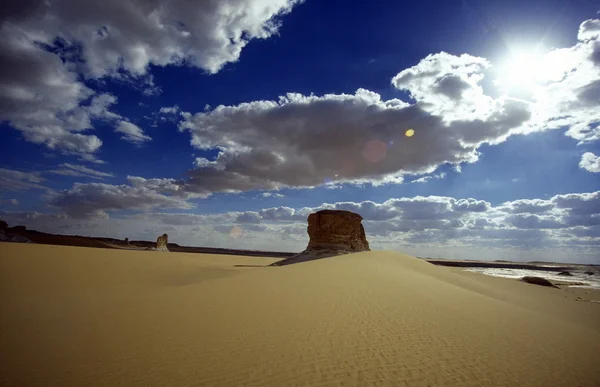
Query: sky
point(457, 129)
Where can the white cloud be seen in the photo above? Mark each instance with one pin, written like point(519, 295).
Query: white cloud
point(425, 179)
point(272, 195)
point(132, 133)
point(590, 162)
point(129, 35)
point(93, 200)
point(67, 169)
point(306, 141)
point(43, 99)
point(45, 46)
point(13, 180)
point(569, 224)
point(170, 110)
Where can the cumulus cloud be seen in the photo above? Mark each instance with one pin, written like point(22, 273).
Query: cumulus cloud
point(129, 35)
point(46, 46)
point(529, 206)
point(425, 226)
point(67, 169)
point(590, 162)
point(571, 86)
point(13, 180)
point(305, 141)
point(40, 97)
point(132, 133)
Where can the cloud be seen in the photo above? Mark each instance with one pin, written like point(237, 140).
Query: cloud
point(93, 200)
point(9, 202)
point(47, 48)
point(169, 110)
point(529, 206)
point(307, 140)
point(528, 221)
point(590, 162)
point(67, 169)
point(43, 99)
point(272, 195)
point(425, 179)
point(471, 205)
point(570, 90)
point(132, 133)
point(13, 180)
point(248, 217)
point(447, 84)
point(425, 226)
point(129, 35)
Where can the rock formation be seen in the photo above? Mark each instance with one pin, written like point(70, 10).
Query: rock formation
point(6, 234)
point(331, 232)
point(565, 273)
point(538, 281)
point(161, 243)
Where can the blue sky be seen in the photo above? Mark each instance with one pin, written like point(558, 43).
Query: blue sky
point(198, 119)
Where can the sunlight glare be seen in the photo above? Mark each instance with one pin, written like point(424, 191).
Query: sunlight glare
point(410, 132)
point(521, 71)
point(527, 70)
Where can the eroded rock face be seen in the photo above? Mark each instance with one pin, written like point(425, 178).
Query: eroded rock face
point(331, 232)
point(336, 230)
point(161, 243)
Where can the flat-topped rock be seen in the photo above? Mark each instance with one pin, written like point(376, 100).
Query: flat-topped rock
point(331, 232)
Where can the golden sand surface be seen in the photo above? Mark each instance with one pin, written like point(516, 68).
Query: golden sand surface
point(72, 316)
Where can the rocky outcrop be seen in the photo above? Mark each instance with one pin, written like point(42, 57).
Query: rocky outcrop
point(538, 281)
point(6, 234)
point(336, 230)
point(331, 232)
point(566, 274)
point(161, 243)
point(589, 273)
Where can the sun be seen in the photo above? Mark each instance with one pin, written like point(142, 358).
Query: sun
point(527, 70)
point(521, 71)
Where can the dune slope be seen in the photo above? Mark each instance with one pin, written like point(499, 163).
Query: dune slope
point(95, 317)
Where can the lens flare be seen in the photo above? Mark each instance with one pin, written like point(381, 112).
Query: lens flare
point(374, 151)
point(236, 232)
point(409, 132)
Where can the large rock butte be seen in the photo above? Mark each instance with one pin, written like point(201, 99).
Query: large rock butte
point(331, 232)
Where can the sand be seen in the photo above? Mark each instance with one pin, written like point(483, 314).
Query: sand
point(74, 316)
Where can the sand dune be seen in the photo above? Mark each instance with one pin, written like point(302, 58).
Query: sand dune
point(96, 317)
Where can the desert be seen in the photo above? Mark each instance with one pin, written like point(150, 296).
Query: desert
point(73, 316)
point(300, 193)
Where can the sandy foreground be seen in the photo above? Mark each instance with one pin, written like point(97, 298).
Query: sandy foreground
point(74, 316)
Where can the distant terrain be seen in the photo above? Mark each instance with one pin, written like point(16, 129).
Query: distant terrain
point(113, 243)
